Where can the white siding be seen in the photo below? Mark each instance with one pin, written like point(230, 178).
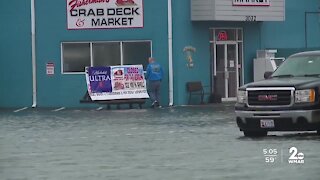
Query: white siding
point(223, 10)
point(202, 10)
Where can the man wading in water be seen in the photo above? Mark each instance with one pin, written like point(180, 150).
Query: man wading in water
point(154, 76)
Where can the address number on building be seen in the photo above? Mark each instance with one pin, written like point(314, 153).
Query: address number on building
point(251, 18)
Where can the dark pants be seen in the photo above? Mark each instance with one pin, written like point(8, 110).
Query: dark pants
point(154, 91)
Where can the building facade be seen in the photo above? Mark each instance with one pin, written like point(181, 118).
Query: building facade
point(213, 41)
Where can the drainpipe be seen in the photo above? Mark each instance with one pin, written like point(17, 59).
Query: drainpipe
point(33, 54)
point(170, 52)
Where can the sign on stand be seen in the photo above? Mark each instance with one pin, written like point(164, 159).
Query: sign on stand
point(116, 82)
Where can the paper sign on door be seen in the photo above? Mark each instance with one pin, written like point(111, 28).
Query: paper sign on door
point(231, 63)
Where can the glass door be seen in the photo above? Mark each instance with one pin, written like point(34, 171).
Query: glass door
point(220, 68)
point(225, 70)
point(232, 70)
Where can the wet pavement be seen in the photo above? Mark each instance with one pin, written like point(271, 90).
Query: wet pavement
point(181, 143)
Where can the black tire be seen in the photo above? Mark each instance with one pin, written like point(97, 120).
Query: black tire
point(255, 133)
point(318, 132)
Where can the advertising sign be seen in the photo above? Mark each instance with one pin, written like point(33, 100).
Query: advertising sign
point(222, 36)
point(251, 2)
point(116, 82)
point(104, 14)
point(238, 10)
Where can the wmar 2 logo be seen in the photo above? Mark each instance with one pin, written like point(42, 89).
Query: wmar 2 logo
point(295, 156)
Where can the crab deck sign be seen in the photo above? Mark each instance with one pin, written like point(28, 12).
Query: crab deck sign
point(104, 14)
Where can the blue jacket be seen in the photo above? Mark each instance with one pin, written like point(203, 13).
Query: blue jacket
point(154, 72)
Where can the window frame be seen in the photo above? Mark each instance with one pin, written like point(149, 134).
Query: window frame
point(91, 52)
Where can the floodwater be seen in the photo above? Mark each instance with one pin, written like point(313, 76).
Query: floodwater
point(180, 143)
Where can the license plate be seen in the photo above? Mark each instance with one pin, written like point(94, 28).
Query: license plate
point(267, 123)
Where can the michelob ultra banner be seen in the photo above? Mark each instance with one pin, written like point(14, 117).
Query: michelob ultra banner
point(116, 82)
point(104, 14)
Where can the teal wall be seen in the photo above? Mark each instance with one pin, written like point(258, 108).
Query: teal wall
point(66, 90)
point(287, 36)
point(197, 34)
point(15, 54)
point(291, 32)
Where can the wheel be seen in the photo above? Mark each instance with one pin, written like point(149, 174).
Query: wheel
point(318, 132)
point(255, 133)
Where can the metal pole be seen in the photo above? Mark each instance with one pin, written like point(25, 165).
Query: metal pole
point(33, 42)
point(170, 53)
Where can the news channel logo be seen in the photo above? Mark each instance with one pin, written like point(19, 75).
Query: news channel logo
point(273, 156)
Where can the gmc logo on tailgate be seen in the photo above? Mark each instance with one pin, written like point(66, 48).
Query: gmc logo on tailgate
point(268, 97)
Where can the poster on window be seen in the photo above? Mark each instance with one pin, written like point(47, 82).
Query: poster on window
point(104, 14)
point(116, 82)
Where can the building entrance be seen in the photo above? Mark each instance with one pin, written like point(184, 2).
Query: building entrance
point(226, 50)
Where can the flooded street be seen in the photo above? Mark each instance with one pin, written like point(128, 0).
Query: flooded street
point(181, 143)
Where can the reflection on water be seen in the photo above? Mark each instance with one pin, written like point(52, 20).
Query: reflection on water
point(200, 142)
point(285, 136)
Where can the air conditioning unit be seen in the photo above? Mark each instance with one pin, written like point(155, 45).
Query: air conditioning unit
point(266, 53)
point(265, 61)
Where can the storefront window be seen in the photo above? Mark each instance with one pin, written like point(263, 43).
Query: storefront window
point(239, 35)
point(76, 56)
point(136, 53)
point(225, 35)
point(106, 54)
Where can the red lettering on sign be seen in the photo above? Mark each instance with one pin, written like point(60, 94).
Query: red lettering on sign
point(125, 2)
point(78, 3)
point(222, 36)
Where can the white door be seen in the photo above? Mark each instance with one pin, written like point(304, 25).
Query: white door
point(226, 72)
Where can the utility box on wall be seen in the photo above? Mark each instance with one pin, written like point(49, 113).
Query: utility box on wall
point(237, 10)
